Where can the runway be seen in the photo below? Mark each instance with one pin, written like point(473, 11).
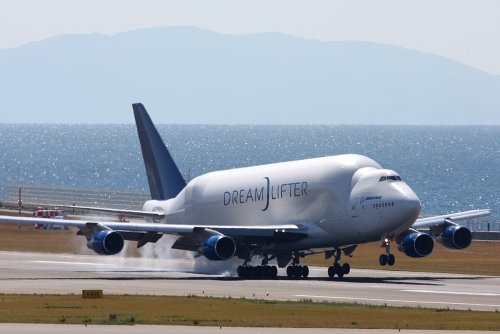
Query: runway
point(150, 329)
point(22, 272)
point(156, 329)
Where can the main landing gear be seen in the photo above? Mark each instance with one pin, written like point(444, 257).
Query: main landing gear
point(388, 257)
point(263, 271)
point(337, 269)
point(257, 272)
point(296, 271)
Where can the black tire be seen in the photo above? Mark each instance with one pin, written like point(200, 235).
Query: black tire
point(331, 273)
point(250, 272)
point(382, 259)
point(296, 272)
point(271, 272)
point(260, 272)
point(266, 272)
point(346, 268)
point(338, 270)
point(290, 272)
point(245, 272)
point(240, 272)
point(274, 272)
point(391, 259)
point(304, 271)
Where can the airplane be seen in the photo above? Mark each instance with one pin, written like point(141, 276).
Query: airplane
point(281, 211)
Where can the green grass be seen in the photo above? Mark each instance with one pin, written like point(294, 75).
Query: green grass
point(227, 312)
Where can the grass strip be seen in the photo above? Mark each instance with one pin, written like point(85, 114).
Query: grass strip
point(231, 312)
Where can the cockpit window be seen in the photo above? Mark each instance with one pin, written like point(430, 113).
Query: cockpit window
point(390, 178)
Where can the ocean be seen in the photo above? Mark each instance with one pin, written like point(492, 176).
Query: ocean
point(451, 168)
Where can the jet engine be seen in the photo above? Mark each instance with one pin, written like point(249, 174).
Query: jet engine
point(455, 237)
point(218, 248)
point(106, 242)
point(416, 244)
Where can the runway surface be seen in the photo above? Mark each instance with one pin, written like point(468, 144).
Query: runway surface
point(148, 329)
point(22, 272)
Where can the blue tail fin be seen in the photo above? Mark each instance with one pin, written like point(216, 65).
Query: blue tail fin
point(165, 180)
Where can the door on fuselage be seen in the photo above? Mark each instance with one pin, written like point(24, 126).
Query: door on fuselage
point(356, 207)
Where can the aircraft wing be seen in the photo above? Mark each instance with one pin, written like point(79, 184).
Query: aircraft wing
point(130, 213)
point(133, 231)
point(442, 220)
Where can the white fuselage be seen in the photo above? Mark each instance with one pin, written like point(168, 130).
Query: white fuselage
point(339, 200)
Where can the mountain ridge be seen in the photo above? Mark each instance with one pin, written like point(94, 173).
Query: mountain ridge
point(198, 76)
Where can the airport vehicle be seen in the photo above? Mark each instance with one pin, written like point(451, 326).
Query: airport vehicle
point(45, 213)
point(281, 211)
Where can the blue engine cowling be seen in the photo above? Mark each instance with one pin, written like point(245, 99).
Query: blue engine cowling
point(417, 245)
point(218, 248)
point(456, 237)
point(106, 242)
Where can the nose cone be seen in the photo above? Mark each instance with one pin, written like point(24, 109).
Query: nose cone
point(408, 209)
point(412, 205)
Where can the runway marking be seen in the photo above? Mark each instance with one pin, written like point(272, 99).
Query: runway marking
point(456, 293)
point(395, 300)
point(68, 262)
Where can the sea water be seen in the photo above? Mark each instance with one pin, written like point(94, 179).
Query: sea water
point(451, 168)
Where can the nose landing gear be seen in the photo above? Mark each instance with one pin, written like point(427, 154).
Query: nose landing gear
point(388, 257)
point(337, 269)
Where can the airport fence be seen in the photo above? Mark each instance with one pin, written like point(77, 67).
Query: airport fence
point(36, 196)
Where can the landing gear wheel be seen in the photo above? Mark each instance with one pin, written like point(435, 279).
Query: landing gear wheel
point(290, 271)
point(346, 268)
point(391, 259)
point(337, 269)
point(331, 272)
point(388, 257)
point(382, 259)
point(240, 271)
point(257, 272)
point(266, 272)
point(296, 272)
point(243, 272)
point(274, 272)
point(305, 271)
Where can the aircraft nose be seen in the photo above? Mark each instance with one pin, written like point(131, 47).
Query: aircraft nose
point(412, 204)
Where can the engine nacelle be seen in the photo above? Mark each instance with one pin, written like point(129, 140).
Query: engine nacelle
point(417, 245)
point(106, 242)
point(456, 237)
point(218, 248)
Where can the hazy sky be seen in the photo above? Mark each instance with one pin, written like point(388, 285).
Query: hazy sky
point(467, 31)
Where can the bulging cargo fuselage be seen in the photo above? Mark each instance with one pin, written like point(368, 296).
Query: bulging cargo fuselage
point(339, 200)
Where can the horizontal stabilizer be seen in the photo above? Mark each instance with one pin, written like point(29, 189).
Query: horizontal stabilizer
point(128, 213)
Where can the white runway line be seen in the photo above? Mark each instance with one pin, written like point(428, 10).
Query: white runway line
point(70, 263)
point(455, 293)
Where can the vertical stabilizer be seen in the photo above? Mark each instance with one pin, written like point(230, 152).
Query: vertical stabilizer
point(165, 180)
